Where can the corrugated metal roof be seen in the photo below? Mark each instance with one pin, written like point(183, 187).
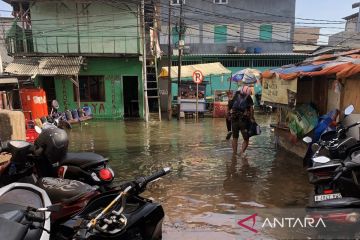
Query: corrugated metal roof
point(23, 66)
point(45, 66)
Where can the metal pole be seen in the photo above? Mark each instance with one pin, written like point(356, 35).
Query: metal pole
point(169, 65)
point(78, 91)
point(78, 27)
point(197, 101)
point(179, 59)
point(142, 29)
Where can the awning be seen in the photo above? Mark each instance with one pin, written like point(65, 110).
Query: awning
point(187, 71)
point(8, 80)
point(46, 66)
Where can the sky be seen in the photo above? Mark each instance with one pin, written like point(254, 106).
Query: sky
point(333, 10)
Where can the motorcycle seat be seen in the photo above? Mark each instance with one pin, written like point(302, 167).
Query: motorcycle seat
point(64, 190)
point(12, 214)
point(83, 159)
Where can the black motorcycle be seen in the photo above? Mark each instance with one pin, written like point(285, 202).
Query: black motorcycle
point(49, 157)
point(119, 215)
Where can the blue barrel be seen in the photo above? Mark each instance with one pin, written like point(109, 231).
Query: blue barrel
point(258, 50)
point(68, 115)
point(87, 110)
point(249, 50)
point(75, 114)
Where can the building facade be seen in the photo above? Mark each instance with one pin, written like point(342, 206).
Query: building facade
point(83, 53)
point(350, 37)
point(229, 26)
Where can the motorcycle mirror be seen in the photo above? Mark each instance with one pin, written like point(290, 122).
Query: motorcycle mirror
point(349, 110)
point(38, 129)
point(321, 159)
point(307, 139)
point(55, 104)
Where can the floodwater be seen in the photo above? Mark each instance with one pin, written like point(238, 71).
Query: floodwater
point(208, 190)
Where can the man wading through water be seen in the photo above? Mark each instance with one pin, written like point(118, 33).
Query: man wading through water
point(242, 114)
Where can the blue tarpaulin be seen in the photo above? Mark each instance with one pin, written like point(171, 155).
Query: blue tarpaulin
point(307, 68)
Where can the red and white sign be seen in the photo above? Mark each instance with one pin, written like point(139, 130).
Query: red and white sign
point(198, 77)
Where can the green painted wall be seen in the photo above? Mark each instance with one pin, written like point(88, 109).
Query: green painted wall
point(102, 28)
point(113, 70)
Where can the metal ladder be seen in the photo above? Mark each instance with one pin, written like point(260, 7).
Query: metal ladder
point(153, 90)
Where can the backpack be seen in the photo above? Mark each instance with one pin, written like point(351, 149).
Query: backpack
point(240, 103)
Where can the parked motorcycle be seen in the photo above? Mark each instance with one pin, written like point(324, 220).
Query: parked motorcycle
point(332, 144)
point(335, 174)
point(49, 157)
point(118, 215)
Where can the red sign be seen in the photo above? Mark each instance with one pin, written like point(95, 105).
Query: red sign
point(198, 77)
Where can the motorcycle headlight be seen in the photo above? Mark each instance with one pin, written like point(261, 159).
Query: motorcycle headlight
point(321, 159)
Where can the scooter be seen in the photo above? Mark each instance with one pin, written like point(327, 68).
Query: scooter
point(24, 212)
point(55, 118)
point(49, 157)
point(118, 215)
point(337, 199)
point(332, 144)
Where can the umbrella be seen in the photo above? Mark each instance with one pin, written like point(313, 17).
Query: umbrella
point(247, 76)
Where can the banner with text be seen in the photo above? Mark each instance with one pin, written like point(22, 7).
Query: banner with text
point(277, 90)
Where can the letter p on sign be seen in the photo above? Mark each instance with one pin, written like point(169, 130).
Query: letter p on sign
point(198, 77)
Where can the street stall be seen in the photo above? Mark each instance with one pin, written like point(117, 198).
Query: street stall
point(309, 90)
point(187, 99)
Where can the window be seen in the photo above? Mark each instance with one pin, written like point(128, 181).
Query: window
point(92, 89)
point(220, 34)
point(266, 32)
point(177, 2)
point(221, 1)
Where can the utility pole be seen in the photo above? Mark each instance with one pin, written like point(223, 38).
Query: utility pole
point(180, 31)
point(169, 65)
point(144, 75)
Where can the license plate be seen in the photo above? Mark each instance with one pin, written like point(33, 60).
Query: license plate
point(319, 198)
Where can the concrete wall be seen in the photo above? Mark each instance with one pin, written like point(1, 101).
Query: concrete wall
point(306, 35)
point(102, 28)
point(242, 25)
point(345, 39)
point(113, 70)
point(5, 25)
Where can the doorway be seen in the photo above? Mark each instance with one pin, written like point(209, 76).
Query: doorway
point(131, 97)
point(48, 84)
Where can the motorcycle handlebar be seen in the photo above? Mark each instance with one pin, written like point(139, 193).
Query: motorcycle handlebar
point(352, 125)
point(157, 175)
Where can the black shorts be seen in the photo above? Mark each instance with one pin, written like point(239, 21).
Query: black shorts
point(240, 125)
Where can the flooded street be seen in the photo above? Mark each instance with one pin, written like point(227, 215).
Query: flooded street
point(208, 190)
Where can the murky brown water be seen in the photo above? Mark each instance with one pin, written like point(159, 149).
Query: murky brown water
point(208, 188)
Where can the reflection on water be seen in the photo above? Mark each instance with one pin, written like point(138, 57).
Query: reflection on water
point(208, 188)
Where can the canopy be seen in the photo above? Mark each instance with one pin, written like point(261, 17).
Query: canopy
point(343, 65)
point(187, 71)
